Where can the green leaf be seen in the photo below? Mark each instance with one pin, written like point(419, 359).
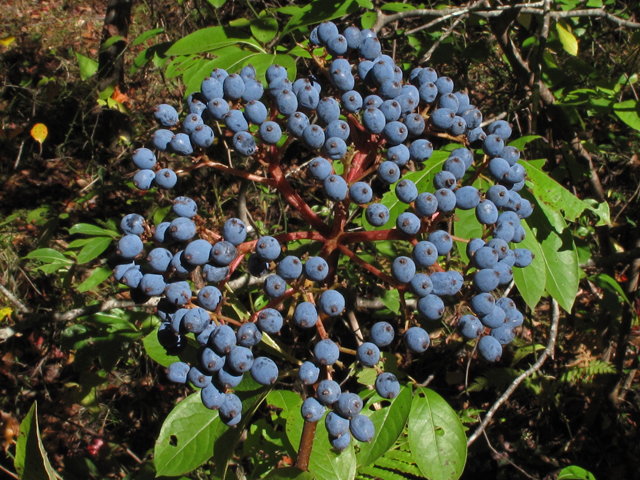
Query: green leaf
point(88, 229)
point(365, 4)
point(264, 28)
point(522, 352)
point(531, 281)
point(191, 434)
point(553, 198)
point(317, 12)
point(521, 142)
point(49, 255)
point(568, 40)
point(216, 3)
point(604, 281)
point(187, 437)
point(289, 473)
point(110, 41)
point(391, 300)
point(628, 112)
point(262, 61)
point(467, 226)
point(389, 422)
point(159, 354)
point(31, 461)
point(397, 7)
point(436, 436)
point(560, 258)
point(143, 37)
point(368, 19)
point(98, 276)
point(573, 472)
point(209, 39)
point(93, 249)
point(324, 463)
point(88, 66)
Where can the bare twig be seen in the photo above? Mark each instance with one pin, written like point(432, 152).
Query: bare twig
point(14, 300)
point(489, 12)
point(448, 32)
point(553, 333)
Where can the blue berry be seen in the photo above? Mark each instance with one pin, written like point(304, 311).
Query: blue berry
point(268, 248)
point(431, 307)
point(441, 240)
point(470, 327)
point(191, 122)
point(328, 392)
point(444, 179)
point(443, 118)
point(313, 137)
point(408, 223)
point(326, 352)
point(218, 108)
point(524, 257)
point(340, 443)
point(426, 204)
point(482, 304)
point(202, 136)
point(286, 102)
point(446, 200)
point(362, 428)
point(248, 335)
point(382, 334)
point(212, 398)
point(360, 193)
point(270, 132)
point(143, 179)
point(395, 132)
point(275, 286)
point(417, 339)
point(209, 298)
point(387, 385)
point(308, 97)
point(421, 285)
point(428, 92)
point(459, 126)
point(196, 320)
point(335, 148)
point(391, 110)
point(388, 172)
point(166, 115)
point(244, 144)
point(456, 166)
point(210, 361)
point(178, 371)
point(198, 378)
point(184, 207)
point(144, 158)
point(328, 110)
point(415, 124)
point(132, 224)
point(236, 121)
point(335, 188)
point(353, 36)
point(130, 246)
point(132, 277)
point(197, 252)
point(311, 410)
point(305, 315)
point(296, 124)
point(348, 405)
point(370, 48)
point(269, 321)
point(500, 128)
point(316, 269)
point(489, 348)
point(351, 101)
point(223, 339)
point(234, 231)
point(336, 425)
point(425, 254)
point(368, 354)
point(377, 214)
point(331, 303)
point(398, 154)
point(223, 253)
point(226, 379)
point(231, 408)
point(420, 150)
point(181, 144)
point(486, 212)
point(256, 112)
point(467, 197)
point(308, 373)
point(166, 178)
point(240, 360)
point(162, 139)
point(485, 280)
point(373, 120)
point(494, 319)
point(233, 87)
point(493, 145)
point(178, 293)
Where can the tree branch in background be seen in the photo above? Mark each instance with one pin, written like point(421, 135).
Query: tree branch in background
point(111, 60)
point(548, 351)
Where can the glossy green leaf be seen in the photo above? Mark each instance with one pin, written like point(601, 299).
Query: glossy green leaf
point(573, 472)
point(368, 19)
point(31, 460)
point(98, 276)
point(467, 226)
point(531, 281)
point(88, 66)
point(264, 28)
point(187, 437)
point(553, 198)
point(159, 354)
point(318, 12)
point(521, 142)
point(604, 281)
point(324, 462)
point(397, 7)
point(561, 261)
point(143, 37)
point(389, 422)
point(93, 249)
point(289, 473)
point(568, 39)
point(110, 41)
point(211, 38)
point(49, 255)
point(88, 229)
point(216, 3)
point(436, 436)
point(629, 112)
point(365, 4)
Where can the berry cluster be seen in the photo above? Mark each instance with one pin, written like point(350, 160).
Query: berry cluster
point(363, 135)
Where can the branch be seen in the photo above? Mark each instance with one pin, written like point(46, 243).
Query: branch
point(553, 333)
point(524, 8)
point(14, 300)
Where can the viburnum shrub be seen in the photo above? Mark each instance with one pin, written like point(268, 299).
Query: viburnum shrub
point(399, 158)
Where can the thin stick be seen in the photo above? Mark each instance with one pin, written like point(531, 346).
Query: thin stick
point(553, 333)
point(13, 299)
